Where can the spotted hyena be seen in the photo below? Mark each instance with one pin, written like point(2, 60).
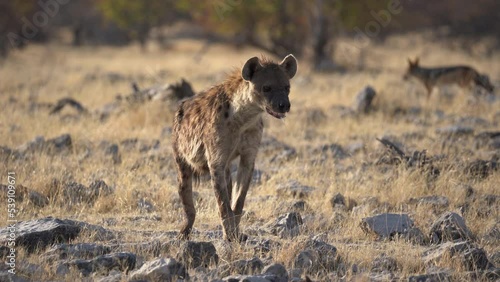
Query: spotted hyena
point(225, 122)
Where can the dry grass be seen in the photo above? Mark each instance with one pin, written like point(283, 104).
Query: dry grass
point(47, 73)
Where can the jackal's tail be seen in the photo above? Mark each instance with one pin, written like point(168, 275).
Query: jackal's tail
point(483, 81)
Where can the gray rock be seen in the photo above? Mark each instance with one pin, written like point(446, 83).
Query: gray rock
point(160, 270)
point(435, 201)
point(74, 251)
point(431, 277)
point(277, 270)
point(248, 278)
point(416, 236)
point(338, 199)
point(8, 277)
point(145, 205)
point(449, 227)
point(330, 151)
point(384, 263)
point(382, 276)
point(306, 259)
point(295, 189)
point(317, 256)
point(495, 258)
point(455, 130)
point(23, 193)
point(387, 225)
point(364, 99)
point(195, 254)
point(315, 116)
point(104, 264)
point(101, 188)
point(472, 257)
point(287, 225)
point(76, 193)
point(40, 233)
point(242, 267)
point(114, 276)
point(55, 145)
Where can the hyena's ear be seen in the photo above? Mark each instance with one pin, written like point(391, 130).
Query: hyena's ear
point(409, 62)
point(289, 63)
point(416, 61)
point(250, 68)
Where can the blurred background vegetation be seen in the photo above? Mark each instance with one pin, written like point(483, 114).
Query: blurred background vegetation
point(305, 28)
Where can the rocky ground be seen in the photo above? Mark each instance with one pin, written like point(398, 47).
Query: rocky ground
point(358, 183)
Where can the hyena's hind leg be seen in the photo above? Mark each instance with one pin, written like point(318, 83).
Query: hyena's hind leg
point(185, 189)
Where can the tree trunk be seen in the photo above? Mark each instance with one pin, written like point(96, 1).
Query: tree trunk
point(321, 53)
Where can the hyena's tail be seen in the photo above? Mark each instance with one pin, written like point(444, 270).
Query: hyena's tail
point(483, 81)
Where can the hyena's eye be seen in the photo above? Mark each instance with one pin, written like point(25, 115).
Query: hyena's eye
point(266, 88)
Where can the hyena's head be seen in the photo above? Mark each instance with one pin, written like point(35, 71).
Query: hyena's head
point(271, 83)
point(412, 67)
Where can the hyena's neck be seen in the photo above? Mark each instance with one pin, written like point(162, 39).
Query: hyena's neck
point(245, 107)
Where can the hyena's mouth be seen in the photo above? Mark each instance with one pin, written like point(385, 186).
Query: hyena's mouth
point(275, 114)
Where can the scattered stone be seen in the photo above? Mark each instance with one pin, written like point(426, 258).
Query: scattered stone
point(76, 193)
point(434, 201)
point(261, 246)
point(317, 256)
point(113, 276)
point(416, 236)
point(114, 151)
point(70, 102)
point(493, 235)
point(279, 151)
point(449, 227)
point(330, 151)
point(242, 267)
point(305, 260)
point(480, 169)
point(145, 205)
point(387, 225)
point(299, 206)
point(195, 254)
point(338, 201)
point(278, 270)
point(472, 258)
point(355, 147)
point(160, 270)
point(465, 191)
point(495, 259)
point(364, 99)
point(103, 264)
point(40, 233)
point(295, 189)
point(315, 116)
point(384, 263)
point(455, 130)
point(287, 225)
point(443, 276)
point(75, 251)
point(24, 193)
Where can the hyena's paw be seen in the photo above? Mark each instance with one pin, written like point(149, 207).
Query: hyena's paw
point(184, 234)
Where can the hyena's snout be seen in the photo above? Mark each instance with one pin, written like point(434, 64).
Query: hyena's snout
point(278, 107)
point(281, 105)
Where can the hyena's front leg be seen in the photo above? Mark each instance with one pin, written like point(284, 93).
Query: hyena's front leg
point(217, 164)
point(185, 175)
point(245, 171)
point(248, 153)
